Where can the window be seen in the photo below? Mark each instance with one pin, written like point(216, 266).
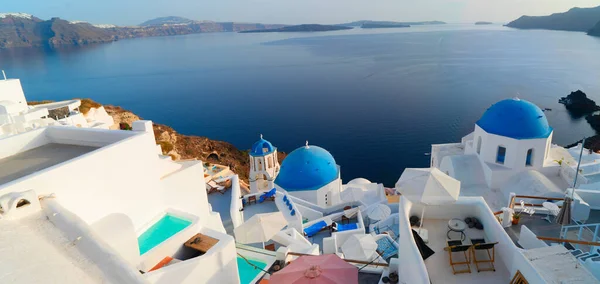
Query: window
point(22, 202)
point(529, 159)
point(260, 166)
point(501, 155)
point(479, 145)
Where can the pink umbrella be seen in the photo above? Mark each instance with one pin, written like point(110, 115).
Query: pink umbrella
point(317, 269)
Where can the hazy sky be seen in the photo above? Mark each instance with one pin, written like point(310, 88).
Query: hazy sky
point(130, 12)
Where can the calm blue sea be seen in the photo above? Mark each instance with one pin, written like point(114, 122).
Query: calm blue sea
point(375, 99)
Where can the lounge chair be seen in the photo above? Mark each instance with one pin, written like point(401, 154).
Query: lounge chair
point(457, 246)
point(583, 259)
point(315, 228)
point(480, 245)
point(341, 227)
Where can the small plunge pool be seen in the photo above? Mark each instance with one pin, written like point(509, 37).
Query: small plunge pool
point(166, 227)
point(247, 272)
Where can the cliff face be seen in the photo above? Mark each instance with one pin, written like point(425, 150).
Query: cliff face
point(21, 30)
point(181, 147)
point(576, 19)
point(595, 31)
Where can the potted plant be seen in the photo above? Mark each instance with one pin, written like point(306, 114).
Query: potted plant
point(516, 218)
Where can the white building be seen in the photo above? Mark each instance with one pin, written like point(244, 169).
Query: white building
point(311, 174)
point(83, 205)
point(264, 166)
point(510, 150)
point(18, 117)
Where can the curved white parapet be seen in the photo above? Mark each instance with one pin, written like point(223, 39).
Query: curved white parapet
point(17, 205)
point(112, 264)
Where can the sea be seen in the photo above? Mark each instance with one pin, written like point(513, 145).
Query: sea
point(376, 99)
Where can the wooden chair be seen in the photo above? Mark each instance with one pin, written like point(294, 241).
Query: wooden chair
point(457, 246)
point(252, 199)
point(480, 245)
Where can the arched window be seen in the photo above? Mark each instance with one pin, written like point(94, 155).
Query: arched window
point(501, 155)
point(479, 145)
point(529, 159)
point(260, 165)
point(22, 202)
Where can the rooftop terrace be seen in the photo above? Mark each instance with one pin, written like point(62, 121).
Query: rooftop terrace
point(37, 159)
point(35, 244)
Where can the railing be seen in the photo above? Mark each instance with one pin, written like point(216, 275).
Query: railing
point(591, 228)
point(512, 200)
point(560, 240)
point(347, 260)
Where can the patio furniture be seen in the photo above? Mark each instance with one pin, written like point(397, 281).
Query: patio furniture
point(341, 227)
point(458, 247)
point(252, 199)
point(428, 187)
point(315, 228)
point(201, 243)
point(260, 228)
point(576, 252)
point(583, 259)
point(378, 212)
point(360, 247)
point(480, 245)
point(552, 209)
point(458, 226)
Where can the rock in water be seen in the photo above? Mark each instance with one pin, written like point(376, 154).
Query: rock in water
point(578, 104)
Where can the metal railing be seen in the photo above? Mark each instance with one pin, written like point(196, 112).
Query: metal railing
point(593, 229)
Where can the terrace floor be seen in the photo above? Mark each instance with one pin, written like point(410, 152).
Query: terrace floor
point(37, 159)
point(438, 265)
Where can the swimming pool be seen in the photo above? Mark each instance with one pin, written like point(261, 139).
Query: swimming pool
point(248, 272)
point(166, 227)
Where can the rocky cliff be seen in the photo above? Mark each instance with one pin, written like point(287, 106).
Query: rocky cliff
point(23, 30)
point(576, 19)
point(595, 31)
point(180, 146)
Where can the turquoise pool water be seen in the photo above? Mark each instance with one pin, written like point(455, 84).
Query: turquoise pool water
point(248, 272)
point(163, 229)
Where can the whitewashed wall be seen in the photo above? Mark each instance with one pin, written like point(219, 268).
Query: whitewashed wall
point(411, 268)
point(101, 182)
point(111, 263)
point(11, 90)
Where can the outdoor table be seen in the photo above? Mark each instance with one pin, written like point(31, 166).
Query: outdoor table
point(457, 225)
point(201, 243)
point(552, 209)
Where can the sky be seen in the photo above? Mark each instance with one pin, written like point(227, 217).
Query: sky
point(132, 12)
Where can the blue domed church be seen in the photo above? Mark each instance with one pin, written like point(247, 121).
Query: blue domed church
point(310, 173)
point(512, 136)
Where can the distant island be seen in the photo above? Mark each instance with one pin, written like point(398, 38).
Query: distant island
point(384, 23)
point(24, 30)
point(578, 104)
point(379, 26)
point(576, 19)
point(300, 28)
point(483, 23)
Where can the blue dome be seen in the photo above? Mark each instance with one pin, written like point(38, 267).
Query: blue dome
point(262, 147)
point(515, 118)
point(307, 168)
